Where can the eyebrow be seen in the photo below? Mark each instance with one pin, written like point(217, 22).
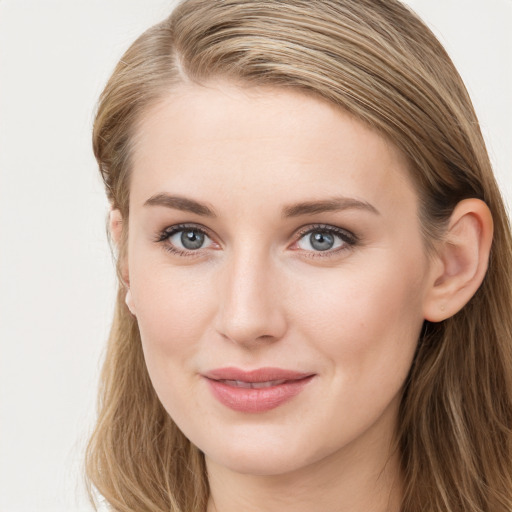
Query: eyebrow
point(328, 205)
point(180, 203)
point(294, 210)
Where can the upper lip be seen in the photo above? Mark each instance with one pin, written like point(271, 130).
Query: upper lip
point(258, 375)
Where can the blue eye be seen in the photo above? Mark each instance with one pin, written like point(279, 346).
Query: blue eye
point(185, 240)
point(322, 239)
point(190, 239)
point(182, 239)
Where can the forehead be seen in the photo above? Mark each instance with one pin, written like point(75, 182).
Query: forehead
point(221, 140)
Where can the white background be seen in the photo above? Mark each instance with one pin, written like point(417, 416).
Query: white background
point(56, 272)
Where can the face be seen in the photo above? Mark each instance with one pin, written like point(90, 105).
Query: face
point(277, 273)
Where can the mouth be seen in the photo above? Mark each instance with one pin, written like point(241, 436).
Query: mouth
point(255, 391)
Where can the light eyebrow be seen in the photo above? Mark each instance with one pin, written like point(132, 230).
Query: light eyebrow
point(327, 205)
point(180, 203)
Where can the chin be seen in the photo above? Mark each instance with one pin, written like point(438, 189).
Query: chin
point(261, 457)
point(259, 464)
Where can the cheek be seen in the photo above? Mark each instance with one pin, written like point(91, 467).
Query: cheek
point(366, 318)
point(174, 308)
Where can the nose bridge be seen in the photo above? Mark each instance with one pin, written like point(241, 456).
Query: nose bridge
point(249, 298)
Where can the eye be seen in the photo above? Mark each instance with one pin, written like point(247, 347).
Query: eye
point(189, 239)
point(325, 239)
point(183, 239)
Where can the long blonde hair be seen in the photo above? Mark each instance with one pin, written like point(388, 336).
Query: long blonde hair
point(378, 61)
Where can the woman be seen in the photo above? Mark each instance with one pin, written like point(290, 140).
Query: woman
point(314, 299)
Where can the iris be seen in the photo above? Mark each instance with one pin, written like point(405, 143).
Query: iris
point(321, 241)
point(192, 239)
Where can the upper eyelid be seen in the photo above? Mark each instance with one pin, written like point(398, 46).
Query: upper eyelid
point(176, 228)
point(163, 236)
point(326, 227)
point(302, 230)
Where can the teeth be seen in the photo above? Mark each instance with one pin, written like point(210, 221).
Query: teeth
point(252, 385)
point(239, 384)
point(269, 384)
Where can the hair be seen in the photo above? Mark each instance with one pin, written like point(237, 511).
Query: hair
point(376, 60)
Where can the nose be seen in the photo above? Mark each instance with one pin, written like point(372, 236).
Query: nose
point(250, 308)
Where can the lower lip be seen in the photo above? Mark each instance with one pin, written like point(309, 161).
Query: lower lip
point(257, 400)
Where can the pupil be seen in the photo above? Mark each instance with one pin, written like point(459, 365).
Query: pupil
point(321, 241)
point(192, 239)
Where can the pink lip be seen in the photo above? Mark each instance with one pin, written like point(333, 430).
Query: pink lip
point(282, 385)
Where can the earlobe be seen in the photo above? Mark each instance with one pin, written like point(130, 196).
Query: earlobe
point(129, 302)
point(461, 260)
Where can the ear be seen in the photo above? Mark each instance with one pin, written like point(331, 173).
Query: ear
point(461, 260)
point(115, 225)
point(116, 230)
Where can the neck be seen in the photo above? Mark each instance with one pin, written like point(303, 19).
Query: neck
point(350, 480)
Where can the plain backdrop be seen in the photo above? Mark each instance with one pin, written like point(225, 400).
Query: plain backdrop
point(56, 271)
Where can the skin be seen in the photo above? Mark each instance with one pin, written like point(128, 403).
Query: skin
point(258, 294)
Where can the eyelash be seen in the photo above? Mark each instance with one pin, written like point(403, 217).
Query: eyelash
point(349, 240)
point(166, 234)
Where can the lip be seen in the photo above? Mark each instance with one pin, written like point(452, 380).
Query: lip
point(255, 391)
